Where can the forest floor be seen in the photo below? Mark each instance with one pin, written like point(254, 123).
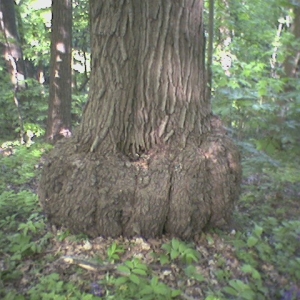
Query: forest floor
point(256, 257)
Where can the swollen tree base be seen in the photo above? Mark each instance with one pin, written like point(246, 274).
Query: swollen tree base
point(168, 190)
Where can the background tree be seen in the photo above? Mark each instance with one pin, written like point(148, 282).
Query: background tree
point(60, 94)
point(149, 158)
point(292, 61)
point(11, 44)
point(13, 55)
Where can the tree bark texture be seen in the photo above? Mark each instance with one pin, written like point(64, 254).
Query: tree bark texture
point(59, 111)
point(11, 48)
point(149, 157)
point(11, 43)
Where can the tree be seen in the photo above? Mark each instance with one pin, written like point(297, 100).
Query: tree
point(11, 43)
point(149, 157)
point(292, 61)
point(12, 52)
point(59, 113)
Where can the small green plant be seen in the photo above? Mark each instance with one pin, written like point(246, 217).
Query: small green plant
point(134, 277)
point(240, 290)
point(131, 270)
point(223, 275)
point(134, 283)
point(255, 237)
point(192, 273)
point(35, 224)
point(21, 245)
point(257, 285)
point(179, 250)
point(51, 287)
point(113, 252)
point(158, 290)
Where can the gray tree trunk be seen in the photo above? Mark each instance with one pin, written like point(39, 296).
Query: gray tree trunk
point(149, 157)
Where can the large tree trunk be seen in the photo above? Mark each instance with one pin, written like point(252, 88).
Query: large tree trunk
point(59, 111)
point(149, 158)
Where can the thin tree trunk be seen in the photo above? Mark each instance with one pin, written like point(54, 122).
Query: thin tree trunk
point(292, 62)
point(210, 48)
point(59, 113)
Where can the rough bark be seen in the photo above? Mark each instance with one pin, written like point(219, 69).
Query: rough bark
point(149, 158)
point(59, 112)
point(10, 43)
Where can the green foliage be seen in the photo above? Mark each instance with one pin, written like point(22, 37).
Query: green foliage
point(240, 290)
point(51, 287)
point(114, 251)
point(21, 167)
point(22, 227)
point(271, 243)
point(34, 26)
point(134, 284)
point(179, 250)
point(192, 273)
point(35, 31)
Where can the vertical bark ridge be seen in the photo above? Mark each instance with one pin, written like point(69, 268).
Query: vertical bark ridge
point(154, 60)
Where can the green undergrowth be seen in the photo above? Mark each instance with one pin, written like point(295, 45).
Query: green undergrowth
point(264, 243)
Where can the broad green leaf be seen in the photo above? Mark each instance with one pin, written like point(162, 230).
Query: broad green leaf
point(252, 241)
point(250, 270)
point(191, 257)
point(231, 291)
point(175, 244)
point(141, 266)
point(182, 247)
point(124, 269)
point(166, 247)
point(175, 293)
point(164, 259)
point(147, 290)
point(139, 272)
point(129, 264)
point(258, 230)
point(248, 295)
point(238, 285)
point(161, 289)
point(174, 254)
point(121, 280)
point(135, 279)
point(154, 281)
